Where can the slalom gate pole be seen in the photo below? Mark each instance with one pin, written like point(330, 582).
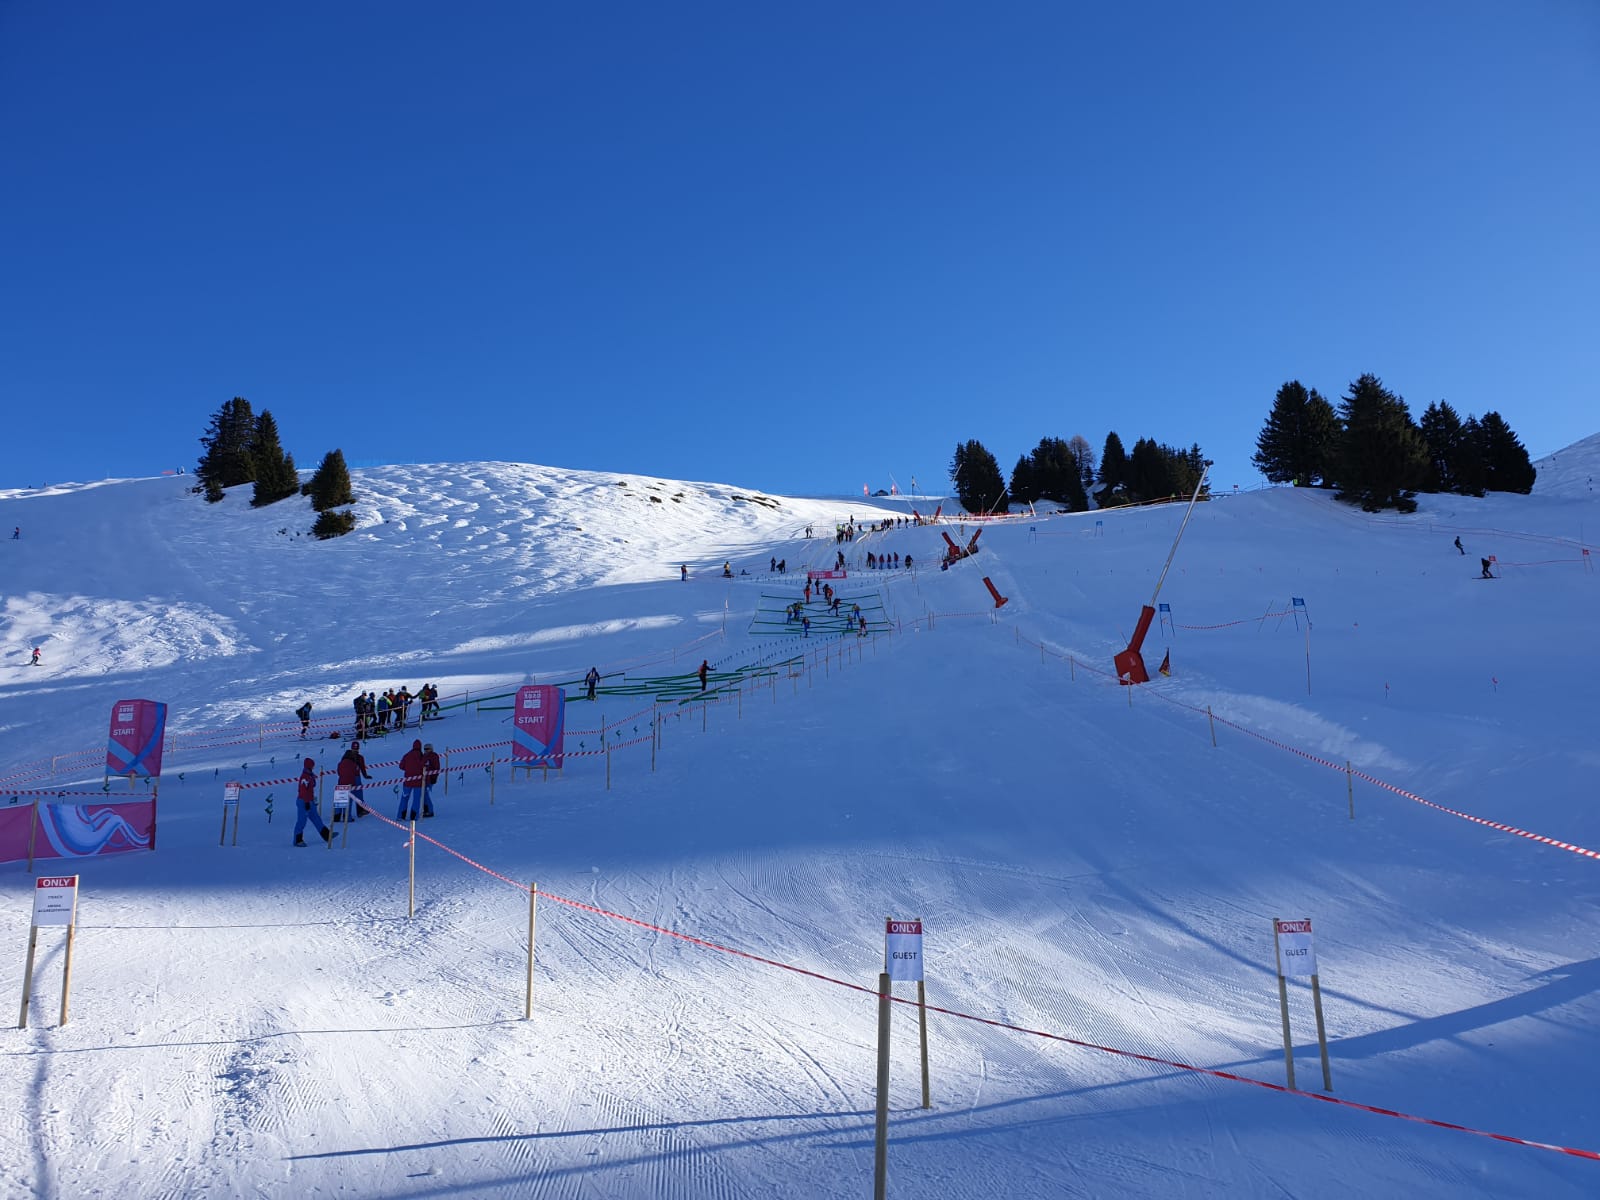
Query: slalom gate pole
point(1212, 721)
point(411, 895)
point(1350, 786)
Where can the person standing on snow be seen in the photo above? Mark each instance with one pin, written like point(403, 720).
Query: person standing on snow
point(1487, 573)
point(1459, 546)
point(683, 572)
point(704, 667)
point(304, 713)
point(34, 661)
point(430, 776)
point(352, 770)
point(415, 770)
point(306, 805)
point(592, 681)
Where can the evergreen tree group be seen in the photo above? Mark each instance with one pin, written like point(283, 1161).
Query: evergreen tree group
point(242, 447)
point(1053, 471)
point(1154, 471)
point(1372, 451)
point(976, 475)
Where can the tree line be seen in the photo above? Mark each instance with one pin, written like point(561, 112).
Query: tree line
point(1066, 473)
point(1371, 450)
point(241, 446)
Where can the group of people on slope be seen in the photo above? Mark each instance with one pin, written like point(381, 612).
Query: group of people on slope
point(375, 710)
point(419, 767)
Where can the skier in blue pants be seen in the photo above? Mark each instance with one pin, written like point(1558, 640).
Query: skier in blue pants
point(306, 805)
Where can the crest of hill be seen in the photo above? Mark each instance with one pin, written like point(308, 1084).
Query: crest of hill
point(1572, 473)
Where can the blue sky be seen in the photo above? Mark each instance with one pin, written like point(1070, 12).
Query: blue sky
point(801, 248)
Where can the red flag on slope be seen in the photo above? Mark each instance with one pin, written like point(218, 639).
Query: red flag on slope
point(1166, 663)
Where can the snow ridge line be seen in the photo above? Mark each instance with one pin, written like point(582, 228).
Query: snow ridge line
point(1233, 1076)
point(1584, 851)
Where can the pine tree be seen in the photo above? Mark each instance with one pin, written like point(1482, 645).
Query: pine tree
point(980, 487)
point(1113, 469)
point(1149, 471)
point(1470, 476)
point(226, 460)
point(1023, 489)
point(1505, 459)
point(1296, 444)
point(330, 524)
point(1441, 430)
point(330, 486)
point(275, 474)
point(1382, 458)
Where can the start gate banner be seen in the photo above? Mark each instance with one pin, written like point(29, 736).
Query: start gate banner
point(77, 830)
point(138, 728)
point(538, 725)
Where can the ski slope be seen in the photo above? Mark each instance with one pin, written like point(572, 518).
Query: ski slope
point(266, 1021)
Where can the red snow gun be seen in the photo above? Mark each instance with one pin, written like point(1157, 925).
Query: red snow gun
point(1130, 662)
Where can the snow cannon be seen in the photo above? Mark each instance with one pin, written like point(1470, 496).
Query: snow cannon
point(1129, 662)
point(955, 550)
point(972, 544)
point(999, 600)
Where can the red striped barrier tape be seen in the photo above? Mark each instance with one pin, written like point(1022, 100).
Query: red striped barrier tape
point(1233, 1076)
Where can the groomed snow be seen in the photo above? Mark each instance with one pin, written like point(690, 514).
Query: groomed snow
point(266, 1021)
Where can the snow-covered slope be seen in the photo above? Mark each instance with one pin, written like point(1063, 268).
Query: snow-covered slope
point(266, 1021)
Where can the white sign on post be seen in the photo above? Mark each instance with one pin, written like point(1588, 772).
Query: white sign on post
point(341, 802)
point(55, 900)
point(902, 949)
point(230, 793)
point(1297, 955)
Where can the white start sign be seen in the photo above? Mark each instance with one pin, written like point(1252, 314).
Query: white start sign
point(341, 798)
point(1297, 955)
point(230, 793)
point(55, 900)
point(902, 949)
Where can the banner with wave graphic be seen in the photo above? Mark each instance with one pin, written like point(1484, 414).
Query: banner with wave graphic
point(77, 830)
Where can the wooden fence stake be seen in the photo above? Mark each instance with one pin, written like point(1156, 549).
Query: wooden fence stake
point(1212, 721)
point(411, 897)
point(533, 908)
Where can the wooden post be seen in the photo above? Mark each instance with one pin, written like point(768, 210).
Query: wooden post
point(411, 895)
point(533, 903)
point(1212, 721)
point(491, 779)
point(1316, 1003)
point(740, 690)
point(655, 737)
point(1130, 694)
point(222, 838)
point(445, 766)
point(922, 1029)
point(27, 976)
point(1350, 786)
point(880, 1155)
point(236, 809)
point(704, 704)
point(1283, 1008)
point(66, 974)
point(1308, 656)
point(1072, 668)
point(33, 833)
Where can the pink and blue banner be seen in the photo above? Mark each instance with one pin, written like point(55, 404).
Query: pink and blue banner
point(138, 728)
point(77, 830)
point(538, 726)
